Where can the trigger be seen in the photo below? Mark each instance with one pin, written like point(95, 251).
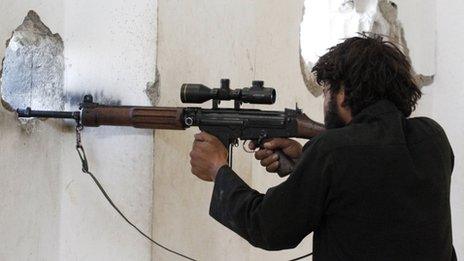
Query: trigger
point(262, 137)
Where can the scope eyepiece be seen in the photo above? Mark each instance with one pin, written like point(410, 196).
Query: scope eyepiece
point(258, 94)
point(199, 93)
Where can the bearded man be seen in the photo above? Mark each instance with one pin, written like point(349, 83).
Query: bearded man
point(374, 186)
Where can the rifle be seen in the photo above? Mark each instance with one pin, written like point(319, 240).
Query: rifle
point(227, 124)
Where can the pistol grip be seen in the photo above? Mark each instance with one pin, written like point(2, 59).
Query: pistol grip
point(286, 164)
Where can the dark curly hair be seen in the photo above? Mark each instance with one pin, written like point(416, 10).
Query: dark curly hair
point(369, 69)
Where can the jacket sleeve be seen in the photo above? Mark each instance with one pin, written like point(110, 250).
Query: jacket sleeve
point(285, 214)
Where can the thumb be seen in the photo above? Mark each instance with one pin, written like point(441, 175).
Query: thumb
point(200, 136)
point(204, 136)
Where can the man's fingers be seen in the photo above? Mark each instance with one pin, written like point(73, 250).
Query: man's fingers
point(198, 144)
point(273, 167)
point(269, 160)
point(252, 145)
point(262, 153)
point(277, 143)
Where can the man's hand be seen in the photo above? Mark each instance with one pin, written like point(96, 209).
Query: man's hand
point(269, 159)
point(208, 155)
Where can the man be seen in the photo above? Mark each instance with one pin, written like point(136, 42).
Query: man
point(374, 186)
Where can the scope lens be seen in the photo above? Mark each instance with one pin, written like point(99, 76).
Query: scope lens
point(195, 93)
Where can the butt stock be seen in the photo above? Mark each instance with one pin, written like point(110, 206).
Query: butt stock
point(307, 128)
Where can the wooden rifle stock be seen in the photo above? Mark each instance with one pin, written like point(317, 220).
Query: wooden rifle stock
point(307, 128)
point(135, 116)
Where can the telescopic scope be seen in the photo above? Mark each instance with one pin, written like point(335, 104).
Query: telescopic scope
point(199, 93)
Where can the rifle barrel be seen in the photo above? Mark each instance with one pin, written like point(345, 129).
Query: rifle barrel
point(28, 113)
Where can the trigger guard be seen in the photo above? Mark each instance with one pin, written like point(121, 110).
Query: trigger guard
point(245, 148)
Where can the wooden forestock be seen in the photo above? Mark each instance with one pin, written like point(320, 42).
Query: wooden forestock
point(136, 116)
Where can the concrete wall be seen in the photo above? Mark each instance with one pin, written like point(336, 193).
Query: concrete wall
point(50, 210)
point(448, 108)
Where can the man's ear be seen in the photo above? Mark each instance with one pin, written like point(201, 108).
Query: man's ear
point(343, 108)
point(340, 98)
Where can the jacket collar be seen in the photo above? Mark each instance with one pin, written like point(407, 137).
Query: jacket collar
point(374, 110)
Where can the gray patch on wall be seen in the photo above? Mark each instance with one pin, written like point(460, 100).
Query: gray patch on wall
point(75, 98)
point(152, 91)
point(33, 67)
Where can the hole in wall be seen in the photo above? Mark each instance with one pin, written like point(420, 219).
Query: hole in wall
point(326, 23)
point(33, 67)
point(32, 73)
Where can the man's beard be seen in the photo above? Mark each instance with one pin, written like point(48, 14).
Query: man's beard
point(331, 118)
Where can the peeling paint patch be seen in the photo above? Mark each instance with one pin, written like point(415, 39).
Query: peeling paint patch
point(152, 91)
point(33, 68)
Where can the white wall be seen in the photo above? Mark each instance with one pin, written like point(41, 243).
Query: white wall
point(50, 210)
point(448, 107)
point(110, 46)
point(442, 101)
point(29, 191)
